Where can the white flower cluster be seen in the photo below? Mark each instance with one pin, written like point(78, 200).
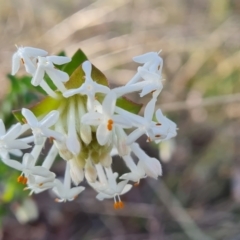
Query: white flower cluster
point(84, 130)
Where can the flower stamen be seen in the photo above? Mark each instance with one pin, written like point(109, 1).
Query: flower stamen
point(110, 125)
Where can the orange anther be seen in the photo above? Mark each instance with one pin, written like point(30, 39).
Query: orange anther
point(158, 124)
point(136, 184)
point(25, 180)
point(121, 204)
point(110, 121)
point(109, 127)
point(116, 205)
point(20, 179)
point(158, 135)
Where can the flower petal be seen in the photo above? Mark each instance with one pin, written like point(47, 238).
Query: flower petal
point(50, 119)
point(147, 57)
point(28, 160)
point(149, 110)
point(13, 132)
point(15, 63)
point(134, 135)
point(51, 133)
point(38, 76)
point(109, 103)
point(103, 134)
point(74, 192)
point(126, 189)
point(87, 68)
point(13, 164)
point(35, 52)
point(59, 60)
point(30, 117)
point(17, 144)
point(92, 118)
point(121, 121)
point(57, 75)
point(121, 185)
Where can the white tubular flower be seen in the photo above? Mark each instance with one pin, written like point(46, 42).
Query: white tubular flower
point(8, 142)
point(24, 55)
point(120, 141)
point(102, 182)
point(90, 171)
point(85, 130)
point(152, 81)
point(40, 129)
point(72, 141)
point(89, 88)
point(137, 171)
point(64, 191)
point(144, 124)
point(170, 126)
point(151, 166)
point(37, 184)
point(27, 167)
point(76, 172)
point(46, 65)
point(114, 189)
point(106, 120)
point(152, 61)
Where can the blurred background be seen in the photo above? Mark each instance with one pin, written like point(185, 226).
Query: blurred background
point(198, 196)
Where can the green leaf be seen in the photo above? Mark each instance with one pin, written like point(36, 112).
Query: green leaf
point(42, 108)
point(128, 105)
point(77, 59)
